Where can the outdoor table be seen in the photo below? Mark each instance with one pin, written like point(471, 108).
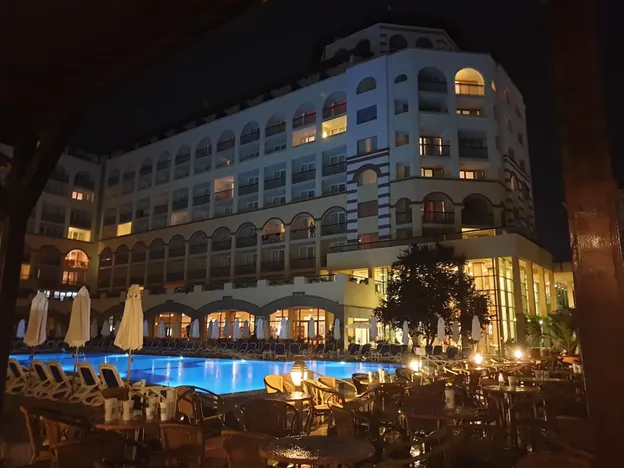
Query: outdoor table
point(507, 390)
point(317, 450)
point(536, 380)
point(134, 428)
point(459, 413)
point(298, 398)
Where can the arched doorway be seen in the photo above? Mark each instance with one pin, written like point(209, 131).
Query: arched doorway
point(298, 319)
point(177, 325)
point(223, 316)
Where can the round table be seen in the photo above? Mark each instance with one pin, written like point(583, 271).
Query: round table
point(451, 414)
point(518, 390)
point(298, 398)
point(317, 450)
point(133, 424)
point(536, 380)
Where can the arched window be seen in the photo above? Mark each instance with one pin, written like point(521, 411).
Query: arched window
point(367, 84)
point(139, 253)
point(60, 174)
point(273, 231)
point(203, 161)
point(163, 168)
point(342, 55)
point(145, 174)
point(513, 183)
point(198, 243)
point(334, 221)
point(367, 177)
point(246, 235)
point(403, 211)
point(400, 78)
point(177, 247)
point(113, 178)
point(304, 115)
point(250, 133)
point(397, 42)
point(182, 163)
point(424, 43)
point(76, 259)
point(431, 79)
point(106, 258)
point(221, 239)
point(437, 208)
point(157, 250)
point(477, 211)
point(122, 256)
point(335, 105)
point(469, 81)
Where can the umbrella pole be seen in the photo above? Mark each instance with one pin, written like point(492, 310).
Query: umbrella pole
point(75, 370)
point(129, 366)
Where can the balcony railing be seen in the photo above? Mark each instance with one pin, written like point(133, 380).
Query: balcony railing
point(53, 217)
point(250, 137)
point(138, 257)
point(219, 245)
point(79, 222)
point(203, 153)
point(337, 168)
point(300, 233)
point(175, 276)
point(249, 155)
point(198, 248)
point(177, 252)
point(335, 110)
point(157, 254)
point(273, 266)
point(196, 274)
point(225, 145)
point(219, 272)
point(304, 120)
point(303, 176)
point(273, 237)
point(110, 220)
point(404, 218)
point(472, 151)
point(432, 86)
point(161, 209)
point(247, 189)
point(438, 217)
point(331, 229)
point(245, 269)
point(275, 129)
point(465, 88)
point(224, 195)
point(201, 199)
point(477, 218)
point(274, 183)
point(246, 241)
point(303, 263)
point(430, 149)
point(182, 159)
point(180, 204)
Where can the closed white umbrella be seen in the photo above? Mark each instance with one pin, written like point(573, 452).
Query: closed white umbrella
point(476, 329)
point(209, 330)
point(145, 329)
point(405, 332)
point(116, 327)
point(215, 330)
point(311, 328)
point(246, 333)
point(456, 331)
point(284, 329)
point(161, 329)
point(79, 330)
point(337, 330)
point(259, 328)
point(195, 329)
point(37, 321)
point(130, 334)
point(94, 329)
point(106, 331)
point(266, 326)
point(372, 333)
point(440, 332)
point(227, 329)
point(21, 329)
point(236, 331)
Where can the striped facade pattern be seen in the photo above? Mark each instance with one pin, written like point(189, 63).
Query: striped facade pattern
point(380, 162)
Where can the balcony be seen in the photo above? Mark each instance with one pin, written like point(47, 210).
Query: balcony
point(306, 263)
point(110, 220)
point(429, 149)
point(195, 249)
point(404, 218)
point(201, 200)
point(438, 217)
point(250, 137)
point(161, 209)
point(225, 145)
point(175, 276)
point(338, 168)
point(182, 159)
point(247, 189)
point(220, 272)
point(250, 241)
point(472, 150)
point(274, 183)
point(53, 217)
point(304, 120)
point(155, 277)
point(143, 213)
point(332, 229)
point(180, 204)
point(275, 129)
point(432, 86)
point(273, 237)
point(303, 176)
point(80, 222)
point(336, 110)
point(157, 254)
point(245, 269)
point(196, 275)
point(177, 252)
point(224, 195)
point(464, 88)
point(477, 218)
point(138, 257)
point(300, 233)
point(248, 155)
point(273, 266)
point(220, 245)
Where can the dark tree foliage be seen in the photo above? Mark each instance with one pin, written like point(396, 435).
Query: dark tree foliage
point(426, 283)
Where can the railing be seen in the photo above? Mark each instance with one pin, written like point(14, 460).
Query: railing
point(302, 263)
point(146, 170)
point(53, 217)
point(84, 223)
point(245, 269)
point(465, 88)
point(404, 218)
point(272, 237)
point(300, 233)
point(320, 279)
point(438, 217)
point(473, 152)
point(197, 274)
point(335, 110)
point(220, 245)
point(224, 195)
point(219, 272)
point(161, 209)
point(281, 282)
point(331, 229)
point(223, 161)
point(138, 257)
point(430, 149)
point(163, 165)
point(198, 249)
point(247, 189)
point(275, 129)
point(157, 254)
point(274, 183)
point(144, 213)
point(432, 85)
point(201, 199)
point(182, 159)
point(245, 284)
point(250, 137)
point(226, 145)
point(175, 275)
point(246, 241)
point(304, 120)
point(203, 153)
point(180, 204)
point(337, 168)
point(249, 155)
point(273, 266)
point(177, 252)
point(477, 219)
point(303, 176)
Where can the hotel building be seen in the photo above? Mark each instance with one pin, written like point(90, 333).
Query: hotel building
point(295, 202)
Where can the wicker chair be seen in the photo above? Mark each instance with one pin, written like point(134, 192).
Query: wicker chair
point(200, 406)
point(322, 398)
point(242, 449)
point(276, 383)
point(346, 389)
point(186, 445)
point(344, 422)
point(269, 417)
point(552, 460)
point(40, 451)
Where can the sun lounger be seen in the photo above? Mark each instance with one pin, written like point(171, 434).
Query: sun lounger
point(88, 391)
point(17, 378)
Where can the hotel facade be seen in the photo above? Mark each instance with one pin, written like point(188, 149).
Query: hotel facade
point(295, 202)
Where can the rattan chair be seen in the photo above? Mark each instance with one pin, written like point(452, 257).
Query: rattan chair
point(270, 417)
point(242, 449)
point(552, 460)
point(40, 449)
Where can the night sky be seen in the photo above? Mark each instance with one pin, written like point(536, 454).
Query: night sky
point(285, 37)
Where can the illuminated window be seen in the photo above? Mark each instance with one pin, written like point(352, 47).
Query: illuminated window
point(179, 218)
point(25, 271)
point(124, 229)
point(83, 235)
point(472, 175)
point(73, 277)
point(431, 172)
point(83, 196)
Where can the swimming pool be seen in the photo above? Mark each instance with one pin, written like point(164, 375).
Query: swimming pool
point(220, 376)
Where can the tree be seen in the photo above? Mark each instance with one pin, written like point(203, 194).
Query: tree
point(426, 283)
point(559, 328)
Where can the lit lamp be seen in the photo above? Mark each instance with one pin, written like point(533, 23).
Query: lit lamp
point(478, 359)
point(416, 365)
point(298, 373)
point(518, 354)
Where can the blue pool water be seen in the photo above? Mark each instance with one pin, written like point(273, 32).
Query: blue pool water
point(220, 376)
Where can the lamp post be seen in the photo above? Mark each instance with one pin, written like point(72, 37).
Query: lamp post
point(298, 374)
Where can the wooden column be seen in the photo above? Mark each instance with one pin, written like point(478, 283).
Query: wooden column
point(591, 200)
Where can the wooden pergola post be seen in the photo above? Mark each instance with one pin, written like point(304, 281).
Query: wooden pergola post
point(591, 199)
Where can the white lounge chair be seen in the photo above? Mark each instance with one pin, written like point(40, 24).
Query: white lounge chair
point(109, 375)
point(89, 388)
point(61, 384)
point(40, 382)
point(17, 378)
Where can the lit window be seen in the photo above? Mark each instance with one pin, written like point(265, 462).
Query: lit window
point(25, 271)
point(367, 145)
point(366, 209)
point(368, 177)
point(83, 235)
point(431, 172)
point(180, 217)
point(124, 229)
point(83, 196)
point(472, 175)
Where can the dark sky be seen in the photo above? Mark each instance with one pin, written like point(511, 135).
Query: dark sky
point(285, 37)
